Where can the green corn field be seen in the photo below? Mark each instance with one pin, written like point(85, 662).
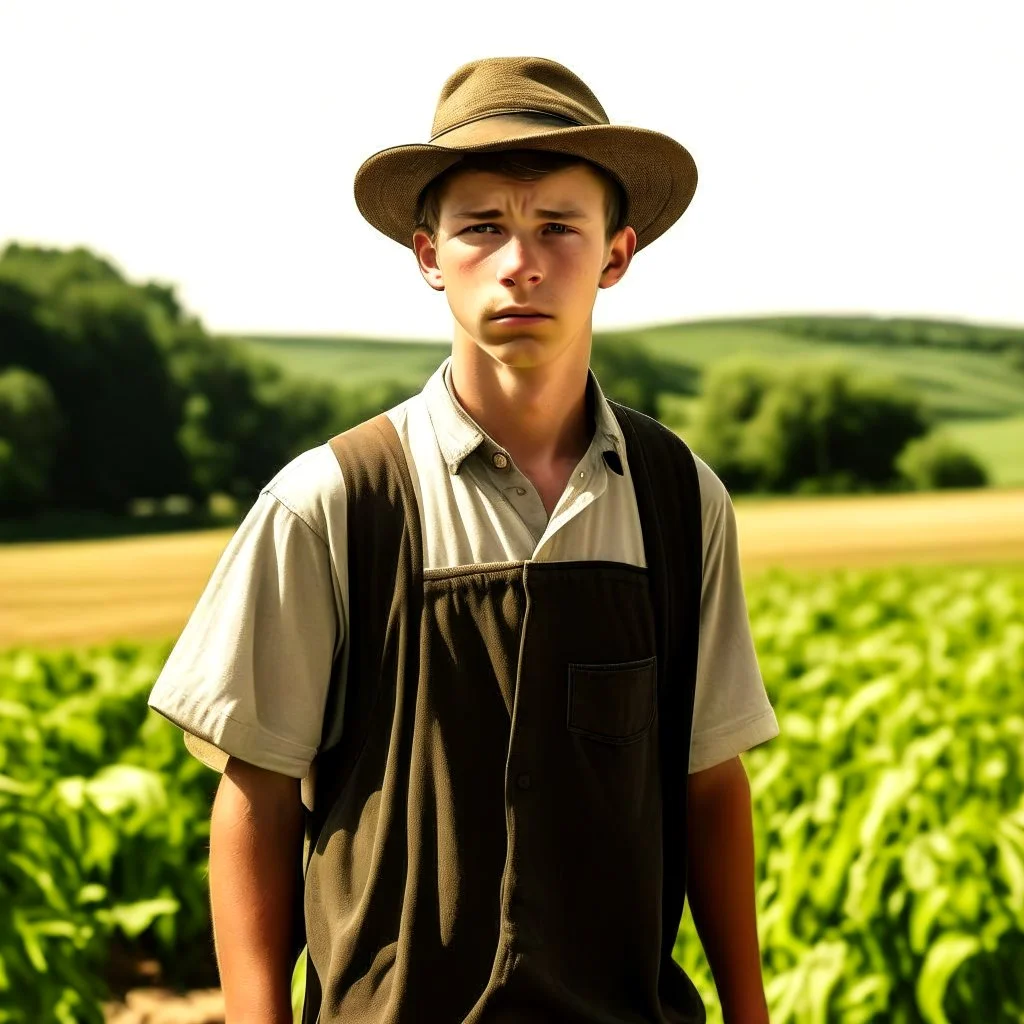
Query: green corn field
point(888, 815)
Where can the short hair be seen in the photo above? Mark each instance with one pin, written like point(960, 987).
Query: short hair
point(522, 165)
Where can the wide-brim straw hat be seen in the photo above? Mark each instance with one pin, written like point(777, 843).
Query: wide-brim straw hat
point(528, 103)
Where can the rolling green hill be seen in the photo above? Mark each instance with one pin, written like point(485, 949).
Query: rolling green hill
point(353, 361)
point(971, 376)
point(955, 382)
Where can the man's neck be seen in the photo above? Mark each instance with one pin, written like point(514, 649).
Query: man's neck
point(538, 415)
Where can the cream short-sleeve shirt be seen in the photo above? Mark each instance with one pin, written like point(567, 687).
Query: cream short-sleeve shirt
point(249, 674)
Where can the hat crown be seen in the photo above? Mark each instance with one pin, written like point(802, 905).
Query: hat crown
point(503, 85)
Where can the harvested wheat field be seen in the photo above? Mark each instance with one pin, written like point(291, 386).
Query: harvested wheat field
point(79, 592)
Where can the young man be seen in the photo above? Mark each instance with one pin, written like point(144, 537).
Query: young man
point(470, 628)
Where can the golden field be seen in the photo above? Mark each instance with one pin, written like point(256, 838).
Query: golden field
point(80, 592)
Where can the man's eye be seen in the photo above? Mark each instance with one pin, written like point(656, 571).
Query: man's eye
point(553, 224)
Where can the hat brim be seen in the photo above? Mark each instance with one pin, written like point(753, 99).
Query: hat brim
point(658, 174)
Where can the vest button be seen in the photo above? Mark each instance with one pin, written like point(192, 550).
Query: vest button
point(523, 782)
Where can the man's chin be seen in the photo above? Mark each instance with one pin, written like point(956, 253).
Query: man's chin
point(533, 345)
point(520, 351)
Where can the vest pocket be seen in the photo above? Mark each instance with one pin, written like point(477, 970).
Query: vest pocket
point(613, 703)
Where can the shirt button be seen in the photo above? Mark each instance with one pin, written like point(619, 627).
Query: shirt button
point(500, 460)
point(523, 782)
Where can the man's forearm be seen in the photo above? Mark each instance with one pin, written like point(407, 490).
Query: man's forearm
point(255, 844)
point(720, 888)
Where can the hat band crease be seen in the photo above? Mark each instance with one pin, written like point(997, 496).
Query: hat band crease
point(502, 113)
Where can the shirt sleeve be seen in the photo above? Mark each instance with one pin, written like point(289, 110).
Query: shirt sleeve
point(731, 710)
point(249, 675)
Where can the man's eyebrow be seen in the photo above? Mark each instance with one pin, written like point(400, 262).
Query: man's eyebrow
point(569, 214)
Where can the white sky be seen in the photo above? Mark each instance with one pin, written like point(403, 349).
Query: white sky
point(852, 156)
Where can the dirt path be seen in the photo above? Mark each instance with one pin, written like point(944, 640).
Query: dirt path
point(77, 592)
point(158, 1006)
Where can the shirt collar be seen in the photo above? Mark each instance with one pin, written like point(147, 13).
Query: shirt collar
point(458, 435)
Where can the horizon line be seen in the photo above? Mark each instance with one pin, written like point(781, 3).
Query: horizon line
point(931, 319)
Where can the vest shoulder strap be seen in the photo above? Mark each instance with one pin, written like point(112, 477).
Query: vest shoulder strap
point(385, 567)
point(385, 564)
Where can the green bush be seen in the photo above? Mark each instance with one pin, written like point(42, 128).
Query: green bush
point(814, 425)
point(630, 373)
point(734, 390)
point(935, 461)
point(30, 424)
point(98, 343)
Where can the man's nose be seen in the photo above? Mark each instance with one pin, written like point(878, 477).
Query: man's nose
point(518, 261)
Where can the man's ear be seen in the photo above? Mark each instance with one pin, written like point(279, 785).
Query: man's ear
point(426, 258)
point(620, 255)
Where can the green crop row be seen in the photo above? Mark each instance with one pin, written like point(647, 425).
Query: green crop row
point(889, 813)
point(104, 830)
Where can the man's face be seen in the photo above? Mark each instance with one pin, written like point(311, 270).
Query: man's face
point(541, 244)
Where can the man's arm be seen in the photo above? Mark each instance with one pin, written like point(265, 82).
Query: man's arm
point(720, 887)
point(256, 832)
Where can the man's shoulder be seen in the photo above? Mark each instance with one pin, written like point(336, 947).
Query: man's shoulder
point(714, 495)
point(311, 487)
point(652, 432)
point(312, 484)
point(713, 491)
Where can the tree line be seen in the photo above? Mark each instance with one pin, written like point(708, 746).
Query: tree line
point(816, 426)
point(110, 392)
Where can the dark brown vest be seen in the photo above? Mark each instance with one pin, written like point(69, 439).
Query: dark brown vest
point(500, 835)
